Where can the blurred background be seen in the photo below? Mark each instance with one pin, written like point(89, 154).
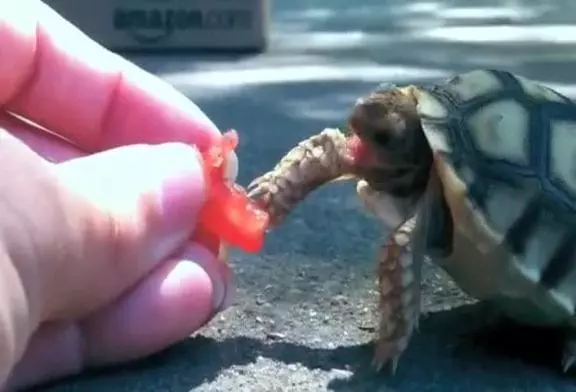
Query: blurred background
point(305, 312)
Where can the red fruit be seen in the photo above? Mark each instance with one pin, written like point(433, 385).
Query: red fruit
point(228, 214)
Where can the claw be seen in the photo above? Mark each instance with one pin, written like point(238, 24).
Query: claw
point(377, 364)
point(569, 354)
point(568, 362)
point(392, 363)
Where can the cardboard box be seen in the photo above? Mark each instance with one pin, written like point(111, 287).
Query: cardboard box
point(152, 25)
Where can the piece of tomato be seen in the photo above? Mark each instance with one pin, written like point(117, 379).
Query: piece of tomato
point(228, 213)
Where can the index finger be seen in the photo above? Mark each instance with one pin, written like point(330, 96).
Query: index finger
point(54, 75)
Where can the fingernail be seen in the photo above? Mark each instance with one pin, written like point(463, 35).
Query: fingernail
point(229, 289)
point(233, 168)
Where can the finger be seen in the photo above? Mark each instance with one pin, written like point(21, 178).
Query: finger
point(56, 76)
point(129, 208)
point(48, 146)
point(177, 299)
point(55, 149)
point(173, 302)
point(54, 351)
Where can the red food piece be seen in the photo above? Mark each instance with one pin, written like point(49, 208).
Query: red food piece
point(228, 214)
point(359, 151)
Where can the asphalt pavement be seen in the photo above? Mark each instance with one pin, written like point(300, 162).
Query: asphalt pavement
point(304, 315)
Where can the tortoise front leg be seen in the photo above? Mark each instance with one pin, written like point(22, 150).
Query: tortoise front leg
point(314, 162)
point(398, 277)
point(399, 296)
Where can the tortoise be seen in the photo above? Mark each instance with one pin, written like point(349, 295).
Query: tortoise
point(476, 173)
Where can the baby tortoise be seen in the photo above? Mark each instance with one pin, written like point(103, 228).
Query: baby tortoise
point(476, 173)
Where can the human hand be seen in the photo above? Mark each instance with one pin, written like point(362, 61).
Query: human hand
point(96, 262)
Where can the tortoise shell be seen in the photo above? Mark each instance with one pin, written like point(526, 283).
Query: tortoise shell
point(505, 153)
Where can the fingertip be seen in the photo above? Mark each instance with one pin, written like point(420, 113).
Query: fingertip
point(174, 301)
point(220, 274)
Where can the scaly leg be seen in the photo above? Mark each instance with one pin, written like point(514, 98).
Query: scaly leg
point(312, 163)
point(399, 297)
point(398, 277)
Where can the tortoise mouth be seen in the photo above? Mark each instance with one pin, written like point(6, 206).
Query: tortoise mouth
point(357, 151)
point(382, 175)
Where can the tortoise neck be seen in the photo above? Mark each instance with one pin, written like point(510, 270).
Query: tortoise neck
point(405, 182)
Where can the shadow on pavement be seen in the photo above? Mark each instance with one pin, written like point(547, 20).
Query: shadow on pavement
point(450, 353)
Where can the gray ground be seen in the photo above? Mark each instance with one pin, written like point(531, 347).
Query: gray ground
point(303, 319)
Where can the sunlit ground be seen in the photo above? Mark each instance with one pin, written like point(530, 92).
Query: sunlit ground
point(375, 41)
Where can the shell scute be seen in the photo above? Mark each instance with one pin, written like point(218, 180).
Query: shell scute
point(562, 160)
point(432, 108)
point(499, 130)
point(540, 92)
point(468, 86)
point(540, 245)
point(505, 205)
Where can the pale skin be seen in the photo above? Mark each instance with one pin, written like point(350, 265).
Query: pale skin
point(96, 262)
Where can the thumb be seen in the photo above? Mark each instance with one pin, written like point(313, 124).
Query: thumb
point(155, 188)
point(134, 207)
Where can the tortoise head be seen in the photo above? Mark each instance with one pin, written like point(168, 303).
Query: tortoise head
point(387, 144)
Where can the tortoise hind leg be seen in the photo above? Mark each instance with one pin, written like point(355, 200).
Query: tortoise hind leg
point(569, 354)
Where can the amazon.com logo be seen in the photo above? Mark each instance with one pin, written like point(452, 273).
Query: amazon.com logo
point(153, 25)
